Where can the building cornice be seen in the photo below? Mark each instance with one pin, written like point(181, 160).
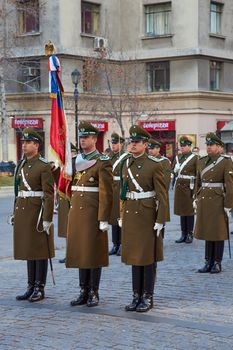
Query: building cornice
point(132, 55)
point(156, 95)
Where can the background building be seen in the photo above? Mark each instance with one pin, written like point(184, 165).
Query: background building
point(167, 65)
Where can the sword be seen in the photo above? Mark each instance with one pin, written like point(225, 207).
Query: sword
point(228, 235)
point(50, 260)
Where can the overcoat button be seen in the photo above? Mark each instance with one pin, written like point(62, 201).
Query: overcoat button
point(127, 211)
point(81, 208)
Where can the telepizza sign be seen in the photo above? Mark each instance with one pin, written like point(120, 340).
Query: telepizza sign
point(159, 125)
point(22, 123)
point(101, 126)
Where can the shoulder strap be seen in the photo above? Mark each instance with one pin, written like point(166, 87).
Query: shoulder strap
point(185, 163)
point(136, 184)
point(26, 184)
point(211, 166)
point(118, 161)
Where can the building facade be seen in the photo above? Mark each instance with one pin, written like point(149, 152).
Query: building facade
point(167, 65)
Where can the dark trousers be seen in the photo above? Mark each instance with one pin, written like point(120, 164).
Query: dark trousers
point(214, 250)
point(143, 279)
point(116, 235)
point(89, 279)
point(187, 223)
point(37, 271)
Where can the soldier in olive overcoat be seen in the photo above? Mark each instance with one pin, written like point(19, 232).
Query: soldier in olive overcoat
point(63, 202)
point(185, 170)
point(154, 150)
point(116, 155)
point(144, 211)
point(89, 215)
point(33, 213)
point(214, 202)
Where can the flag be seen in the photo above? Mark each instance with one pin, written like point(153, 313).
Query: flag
point(59, 135)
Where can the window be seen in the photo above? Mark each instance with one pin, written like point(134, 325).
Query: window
point(215, 17)
point(157, 19)
point(29, 76)
point(28, 15)
point(215, 75)
point(90, 18)
point(158, 76)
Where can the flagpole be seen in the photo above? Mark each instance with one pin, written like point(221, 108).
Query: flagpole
point(75, 76)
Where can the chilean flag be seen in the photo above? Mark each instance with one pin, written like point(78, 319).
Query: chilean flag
point(59, 135)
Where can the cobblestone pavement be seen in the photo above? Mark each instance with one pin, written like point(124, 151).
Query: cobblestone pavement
point(192, 311)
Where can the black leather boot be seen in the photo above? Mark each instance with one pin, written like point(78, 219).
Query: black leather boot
point(146, 303)
point(84, 282)
point(81, 299)
point(27, 294)
point(207, 267)
point(189, 238)
point(93, 295)
point(182, 238)
point(62, 261)
point(114, 249)
point(216, 268)
point(31, 270)
point(93, 298)
point(135, 302)
point(41, 275)
point(38, 292)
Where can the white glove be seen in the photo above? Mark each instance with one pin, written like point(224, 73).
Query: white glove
point(158, 227)
point(119, 222)
point(195, 204)
point(176, 168)
point(103, 226)
point(46, 226)
point(228, 211)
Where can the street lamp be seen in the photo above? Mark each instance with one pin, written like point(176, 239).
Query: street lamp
point(75, 76)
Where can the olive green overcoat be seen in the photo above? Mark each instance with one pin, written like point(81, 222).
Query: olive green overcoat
point(212, 222)
point(87, 246)
point(29, 244)
point(115, 213)
point(140, 246)
point(183, 198)
point(62, 212)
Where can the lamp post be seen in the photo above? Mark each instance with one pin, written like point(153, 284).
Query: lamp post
point(75, 76)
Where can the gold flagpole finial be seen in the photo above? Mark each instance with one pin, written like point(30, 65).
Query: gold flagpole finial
point(50, 48)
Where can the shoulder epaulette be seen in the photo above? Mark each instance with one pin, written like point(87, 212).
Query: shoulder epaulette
point(104, 157)
point(43, 160)
point(225, 156)
point(155, 159)
point(203, 157)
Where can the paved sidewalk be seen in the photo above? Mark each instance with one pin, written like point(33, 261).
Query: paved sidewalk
point(192, 311)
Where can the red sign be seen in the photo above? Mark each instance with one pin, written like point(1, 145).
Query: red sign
point(27, 122)
point(159, 125)
point(101, 126)
point(221, 124)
